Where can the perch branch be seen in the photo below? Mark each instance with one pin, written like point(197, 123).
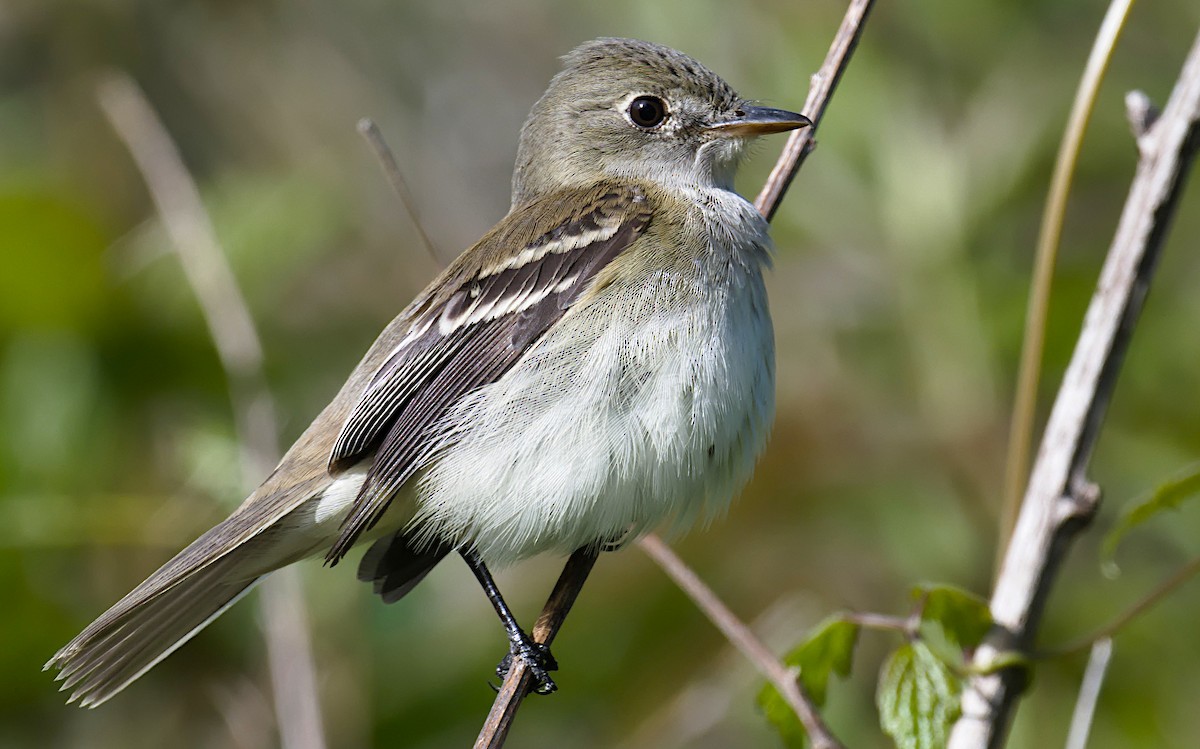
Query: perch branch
point(518, 681)
point(1060, 500)
point(801, 142)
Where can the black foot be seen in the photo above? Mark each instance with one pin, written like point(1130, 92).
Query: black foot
point(537, 659)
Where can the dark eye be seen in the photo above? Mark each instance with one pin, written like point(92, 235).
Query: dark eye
point(647, 111)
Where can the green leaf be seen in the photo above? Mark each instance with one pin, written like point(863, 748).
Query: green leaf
point(780, 715)
point(953, 623)
point(828, 650)
point(1168, 496)
point(917, 698)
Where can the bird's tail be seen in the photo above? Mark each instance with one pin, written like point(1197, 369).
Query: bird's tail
point(395, 564)
point(140, 630)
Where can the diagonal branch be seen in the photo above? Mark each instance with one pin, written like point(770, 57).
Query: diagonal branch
point(518, 681)
point(802, 142)
point(1060, 500)
point(391, 169)
point(736, 631)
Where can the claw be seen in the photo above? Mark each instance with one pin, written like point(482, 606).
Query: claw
point(538, 661)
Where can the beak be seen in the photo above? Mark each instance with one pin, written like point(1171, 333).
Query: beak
point(751, 121)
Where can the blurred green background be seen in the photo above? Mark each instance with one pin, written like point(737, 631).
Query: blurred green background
point(904, 252)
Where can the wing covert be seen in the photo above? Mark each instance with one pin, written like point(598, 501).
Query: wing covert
point(474, 324)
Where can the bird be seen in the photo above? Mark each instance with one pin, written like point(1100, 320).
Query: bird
point(598, 365)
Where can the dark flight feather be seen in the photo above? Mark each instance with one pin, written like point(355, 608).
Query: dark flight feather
point(484, 322)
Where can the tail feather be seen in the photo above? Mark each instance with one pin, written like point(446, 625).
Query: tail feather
point(113, 652)
point(395, 564)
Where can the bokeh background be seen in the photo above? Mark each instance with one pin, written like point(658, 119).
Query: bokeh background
point(904, 253)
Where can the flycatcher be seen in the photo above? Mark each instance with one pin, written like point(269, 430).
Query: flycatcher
point(600, 363)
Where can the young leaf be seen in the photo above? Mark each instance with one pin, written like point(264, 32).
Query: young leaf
point(1168, 496)
point(780, 715)
point(917, 698)
point(829, 650)
point(953, 622)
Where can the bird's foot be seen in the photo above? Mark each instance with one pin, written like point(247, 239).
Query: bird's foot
point(537, 658)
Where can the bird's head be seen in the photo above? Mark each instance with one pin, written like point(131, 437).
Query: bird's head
point(629, 109)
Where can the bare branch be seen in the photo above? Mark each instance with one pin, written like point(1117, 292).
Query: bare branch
point(391, 169)
point(232, 330)
point(518, 680)
point(1089, 693)
point(743, 639)
point(1149, 601)
point(1060, 500)
point(801, 142)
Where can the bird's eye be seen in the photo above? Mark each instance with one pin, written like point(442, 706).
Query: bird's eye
point(647, 111)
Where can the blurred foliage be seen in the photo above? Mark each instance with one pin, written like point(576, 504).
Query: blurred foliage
point(904, 252)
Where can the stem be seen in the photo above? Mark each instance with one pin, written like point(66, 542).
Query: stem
point(1020, 432)
point(743, 639)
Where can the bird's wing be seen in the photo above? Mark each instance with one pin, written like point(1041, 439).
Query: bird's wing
point(497, 299)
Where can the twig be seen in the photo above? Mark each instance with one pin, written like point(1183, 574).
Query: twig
point(1020, 431)
point(801, 142)
point(1060, 500)
point(1181, 576)
point(743, 639)
point(1089, 693)
point(232, 330)
point(391, 169)
point(518, 681)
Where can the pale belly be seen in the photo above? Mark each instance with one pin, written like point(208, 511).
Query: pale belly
point(656, 419)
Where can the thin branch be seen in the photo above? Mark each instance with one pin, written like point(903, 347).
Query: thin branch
point(1089, 694)
point(1152, 599)
point(518, 681)
point(801, 142)
point(1060, 500)
point(743, 639)
point(391, 169)
point(232, 330)
point(1020, 431)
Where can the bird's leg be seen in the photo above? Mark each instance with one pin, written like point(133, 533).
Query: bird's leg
point(537, 656)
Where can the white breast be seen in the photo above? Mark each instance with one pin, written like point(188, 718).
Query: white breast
point(618, 421)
